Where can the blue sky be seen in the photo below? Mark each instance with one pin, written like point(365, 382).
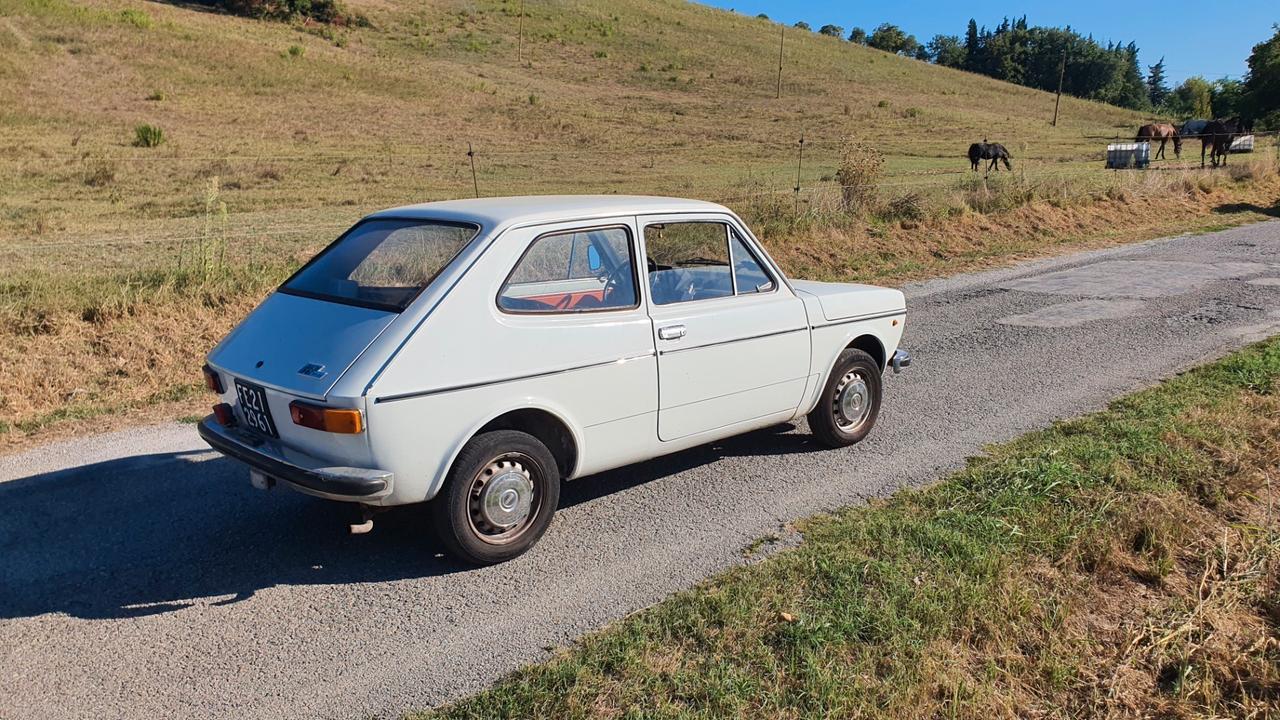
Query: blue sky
point(1213, 44)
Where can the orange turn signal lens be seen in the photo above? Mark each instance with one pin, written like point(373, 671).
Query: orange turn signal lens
point(334, 420)
point(212, 380)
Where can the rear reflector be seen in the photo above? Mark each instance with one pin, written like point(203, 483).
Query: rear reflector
point(212, 380)
point(223, 414)
point(334, 420)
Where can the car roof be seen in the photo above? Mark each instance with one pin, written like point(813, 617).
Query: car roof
point(495, 211)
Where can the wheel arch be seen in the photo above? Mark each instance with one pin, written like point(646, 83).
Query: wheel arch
point(543, 422)
point(871, 345)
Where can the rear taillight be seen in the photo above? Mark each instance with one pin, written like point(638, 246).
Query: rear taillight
point(223, 414)
point(334, 420)
point(212, 380)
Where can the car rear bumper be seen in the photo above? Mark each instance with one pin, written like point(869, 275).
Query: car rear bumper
point(304, 472)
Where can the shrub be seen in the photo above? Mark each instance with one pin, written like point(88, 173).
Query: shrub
point(325, 11)
point(100, 174)
point(912, 112)
point(910, 206)
point(147, 136)
point(156, 96)
point(996, 194)
point(767, 211)
point(859, 170)
point(295, 51)
point(136, 18)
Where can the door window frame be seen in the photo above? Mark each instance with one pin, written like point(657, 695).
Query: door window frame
point(757, 253)
point(631, 250)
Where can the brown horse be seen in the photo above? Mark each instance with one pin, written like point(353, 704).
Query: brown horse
point(1217, 137)
point(1162, 132)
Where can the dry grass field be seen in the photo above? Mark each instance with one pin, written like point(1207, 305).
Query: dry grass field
point(121, 264)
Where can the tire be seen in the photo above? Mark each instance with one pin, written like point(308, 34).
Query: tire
point(829, 420)
point(490, 481)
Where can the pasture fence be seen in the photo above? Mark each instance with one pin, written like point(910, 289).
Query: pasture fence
point(492, 168)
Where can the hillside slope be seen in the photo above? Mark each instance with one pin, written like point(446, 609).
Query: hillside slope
point(121, 265)
point(629, 95)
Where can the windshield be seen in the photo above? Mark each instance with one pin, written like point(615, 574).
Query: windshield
point(382, 264)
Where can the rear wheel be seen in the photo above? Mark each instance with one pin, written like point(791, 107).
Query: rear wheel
point(499, 497)
point(850, 401)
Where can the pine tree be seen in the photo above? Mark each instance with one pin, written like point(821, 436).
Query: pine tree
point(1157, 88)
point(1134, 91)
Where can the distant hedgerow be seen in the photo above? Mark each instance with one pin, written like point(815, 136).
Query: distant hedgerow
point(331, 12)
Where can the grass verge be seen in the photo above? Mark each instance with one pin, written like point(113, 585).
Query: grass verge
point(1124, 563)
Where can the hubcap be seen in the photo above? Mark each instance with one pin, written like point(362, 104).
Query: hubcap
point(503, 497)
point(852, 401)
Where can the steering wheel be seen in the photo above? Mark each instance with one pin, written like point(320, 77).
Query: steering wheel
point(611, 279)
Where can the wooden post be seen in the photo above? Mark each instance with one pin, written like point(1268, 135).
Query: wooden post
point(1062, 73)
point(520, 35)
point(799, 166)
point(782, 39)
point(474, 183)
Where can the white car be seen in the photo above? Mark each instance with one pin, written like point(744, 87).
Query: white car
point(478, 352)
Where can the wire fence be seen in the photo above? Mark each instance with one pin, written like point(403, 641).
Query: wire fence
point(804, 191)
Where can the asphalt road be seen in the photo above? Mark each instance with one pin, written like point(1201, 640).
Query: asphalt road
point(141, 576)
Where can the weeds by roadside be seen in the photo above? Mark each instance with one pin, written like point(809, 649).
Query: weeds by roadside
point(1125, 563)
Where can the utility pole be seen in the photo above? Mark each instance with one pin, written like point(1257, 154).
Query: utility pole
point(782, 38)
point(1062, 73)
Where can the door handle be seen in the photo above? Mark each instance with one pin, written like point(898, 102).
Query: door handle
point(671, 332)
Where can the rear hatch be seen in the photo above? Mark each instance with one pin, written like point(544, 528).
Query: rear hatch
point(299, 345)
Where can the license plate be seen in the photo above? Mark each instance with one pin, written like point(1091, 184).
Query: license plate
point(253, 406)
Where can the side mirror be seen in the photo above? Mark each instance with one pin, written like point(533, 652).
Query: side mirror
point(593, 258)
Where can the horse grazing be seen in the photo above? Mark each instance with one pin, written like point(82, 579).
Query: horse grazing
point(994, 152)
point(1162, 132)
point(1217, 137)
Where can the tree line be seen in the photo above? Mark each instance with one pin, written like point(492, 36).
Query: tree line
point(1036, 56)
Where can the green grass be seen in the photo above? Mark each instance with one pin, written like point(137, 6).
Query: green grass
point(1019, 586)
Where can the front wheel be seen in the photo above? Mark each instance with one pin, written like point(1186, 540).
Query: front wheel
point(499, 497)
point(850, 401)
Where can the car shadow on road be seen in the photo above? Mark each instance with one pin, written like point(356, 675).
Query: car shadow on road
point(777, 440)
point(153, 534)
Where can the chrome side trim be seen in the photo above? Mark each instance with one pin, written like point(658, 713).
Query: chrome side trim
point(861, 318)
point(531, 376)
point(672, 351)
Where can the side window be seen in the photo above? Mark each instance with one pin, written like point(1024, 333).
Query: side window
point(688, 261)
point(700, 260)
point(749, 276)
point(573, 272)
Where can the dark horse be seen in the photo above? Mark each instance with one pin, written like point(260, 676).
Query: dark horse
point(1162, 132)
point(994, 152)
point(1217, 137)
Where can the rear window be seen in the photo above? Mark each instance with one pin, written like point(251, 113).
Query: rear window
point(382, 264)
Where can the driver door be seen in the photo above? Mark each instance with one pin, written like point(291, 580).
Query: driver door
point(732, 339)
